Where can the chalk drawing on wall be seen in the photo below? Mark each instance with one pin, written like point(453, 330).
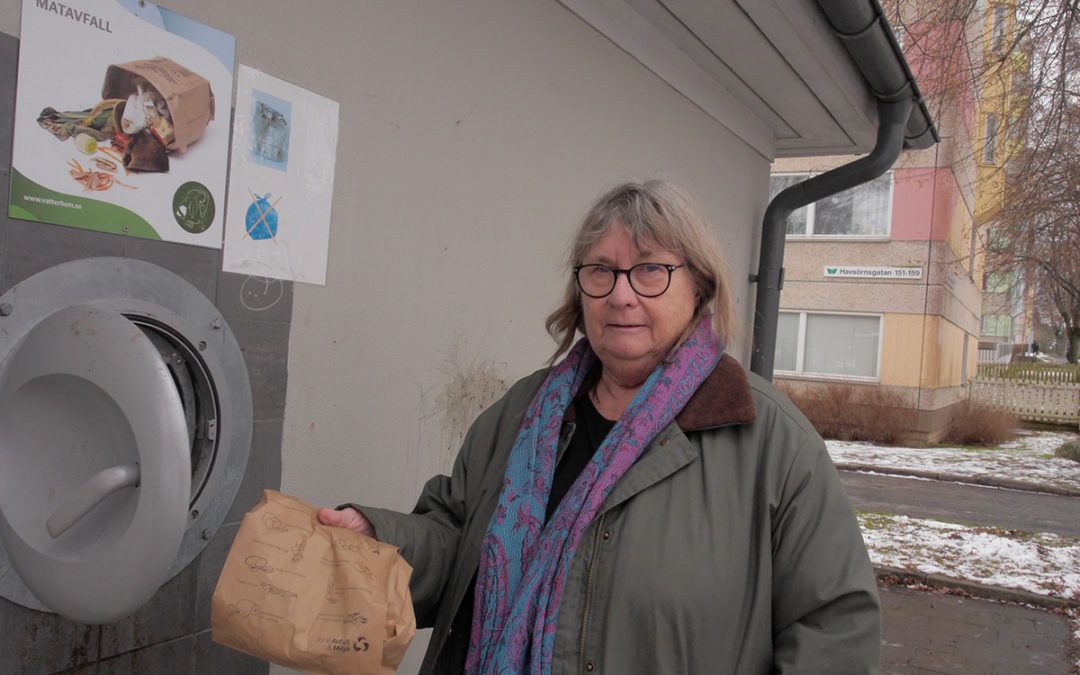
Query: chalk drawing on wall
point(258, 294)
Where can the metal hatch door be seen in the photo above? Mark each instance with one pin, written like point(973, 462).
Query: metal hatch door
point(95, 464)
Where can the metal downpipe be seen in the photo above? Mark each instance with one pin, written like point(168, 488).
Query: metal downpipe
point(892, 122)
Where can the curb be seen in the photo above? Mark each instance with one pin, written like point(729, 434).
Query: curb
point(978, 590)
point(988, 481)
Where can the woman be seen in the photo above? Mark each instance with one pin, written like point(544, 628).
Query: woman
point(642, 506)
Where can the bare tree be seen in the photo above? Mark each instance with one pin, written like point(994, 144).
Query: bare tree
point(1039, 228)
point(1018, 63)
point(960, 49)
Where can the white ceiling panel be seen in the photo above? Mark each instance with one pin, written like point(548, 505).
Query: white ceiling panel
point(771, 71)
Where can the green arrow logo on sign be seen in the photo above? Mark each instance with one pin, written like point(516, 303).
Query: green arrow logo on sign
point(830, 270)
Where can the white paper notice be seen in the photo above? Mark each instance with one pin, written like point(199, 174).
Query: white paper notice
point(281, 180)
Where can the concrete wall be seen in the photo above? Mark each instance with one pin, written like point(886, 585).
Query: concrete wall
point(473, 136)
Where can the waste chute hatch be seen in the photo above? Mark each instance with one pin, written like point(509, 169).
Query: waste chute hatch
point(125, 428)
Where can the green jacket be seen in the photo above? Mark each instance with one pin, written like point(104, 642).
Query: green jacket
point(728, 547)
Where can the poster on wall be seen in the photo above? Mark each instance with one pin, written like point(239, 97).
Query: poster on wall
point(281, 180)
point(122, 120)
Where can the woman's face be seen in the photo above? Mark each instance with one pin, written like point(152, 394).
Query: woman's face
point(631, 334)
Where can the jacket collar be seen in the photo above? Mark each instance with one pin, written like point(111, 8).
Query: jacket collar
point(723, 398)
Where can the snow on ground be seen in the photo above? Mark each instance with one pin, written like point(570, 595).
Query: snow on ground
point(1047, 564)
point(1036, 562)
point(1029, 458)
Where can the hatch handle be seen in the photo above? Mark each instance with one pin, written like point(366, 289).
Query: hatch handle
point(90, 494)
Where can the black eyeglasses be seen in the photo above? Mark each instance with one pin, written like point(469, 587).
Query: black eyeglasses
point(646, 279)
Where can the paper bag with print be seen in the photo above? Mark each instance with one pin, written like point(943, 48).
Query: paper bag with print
point(319, 599)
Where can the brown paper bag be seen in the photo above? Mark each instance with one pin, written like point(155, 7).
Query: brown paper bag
point(315, 598)
point(187, 94)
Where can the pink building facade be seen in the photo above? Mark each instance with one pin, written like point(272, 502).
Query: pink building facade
point(882, 286)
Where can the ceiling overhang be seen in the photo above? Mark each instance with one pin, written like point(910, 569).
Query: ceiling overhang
point(774, 72)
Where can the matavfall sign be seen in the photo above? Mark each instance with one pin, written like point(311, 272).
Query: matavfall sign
point(859, 272)
point(122, 120)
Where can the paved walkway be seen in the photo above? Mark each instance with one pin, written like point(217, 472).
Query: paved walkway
point(963, 503)
point(927, 632)
point(933, 632)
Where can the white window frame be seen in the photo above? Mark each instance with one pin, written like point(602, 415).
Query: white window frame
point(811, 213)
point(800, 349)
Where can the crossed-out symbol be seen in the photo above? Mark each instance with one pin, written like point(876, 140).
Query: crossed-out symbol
point(262, 215)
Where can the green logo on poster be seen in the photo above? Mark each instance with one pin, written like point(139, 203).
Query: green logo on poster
point(830, 270)
point(193, 207)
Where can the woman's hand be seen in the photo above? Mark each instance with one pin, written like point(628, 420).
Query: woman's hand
point(349, 518)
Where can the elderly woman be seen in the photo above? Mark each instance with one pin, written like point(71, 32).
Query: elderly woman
point(643, 505)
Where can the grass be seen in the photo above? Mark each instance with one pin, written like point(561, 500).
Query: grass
point(879, 520)
point(1069, 450)
point(960, 446)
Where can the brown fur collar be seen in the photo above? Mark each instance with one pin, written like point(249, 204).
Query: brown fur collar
point(723, 398)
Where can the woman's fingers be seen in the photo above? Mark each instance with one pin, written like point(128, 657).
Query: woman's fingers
point(348, 518)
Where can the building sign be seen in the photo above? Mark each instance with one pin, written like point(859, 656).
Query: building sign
point(857, 272)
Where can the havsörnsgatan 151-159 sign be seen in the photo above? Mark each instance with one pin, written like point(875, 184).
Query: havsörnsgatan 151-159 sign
point(858, 272)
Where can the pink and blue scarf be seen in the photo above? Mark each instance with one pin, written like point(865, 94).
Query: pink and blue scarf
point(523, 562)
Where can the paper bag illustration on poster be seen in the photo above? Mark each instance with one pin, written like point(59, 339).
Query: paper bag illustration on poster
point(282, 180)
point(325, 600)
point(122, 120)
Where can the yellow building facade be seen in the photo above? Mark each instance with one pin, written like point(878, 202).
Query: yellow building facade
point(883, 285)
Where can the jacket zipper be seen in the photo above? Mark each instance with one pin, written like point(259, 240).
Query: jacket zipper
point(588, 593)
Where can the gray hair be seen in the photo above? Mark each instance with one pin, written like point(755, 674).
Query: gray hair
point(660, 212)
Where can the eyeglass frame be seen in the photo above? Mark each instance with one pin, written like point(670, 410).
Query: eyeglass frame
point(615, 278)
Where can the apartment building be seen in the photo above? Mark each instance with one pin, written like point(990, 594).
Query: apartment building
point(883, 283)
point(1007, 297)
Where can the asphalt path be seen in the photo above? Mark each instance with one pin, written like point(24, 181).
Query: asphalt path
point(963, 503)
point(927, 632)
point(935, 633)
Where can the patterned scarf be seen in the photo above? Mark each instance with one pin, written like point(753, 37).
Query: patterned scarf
point(523, 563)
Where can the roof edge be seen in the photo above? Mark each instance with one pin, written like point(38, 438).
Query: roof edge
point(865, 33)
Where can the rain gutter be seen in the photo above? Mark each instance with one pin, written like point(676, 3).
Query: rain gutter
point(903, 122)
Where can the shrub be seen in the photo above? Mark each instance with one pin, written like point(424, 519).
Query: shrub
point(1070, 450)
point(851, 413)
point(980, 425)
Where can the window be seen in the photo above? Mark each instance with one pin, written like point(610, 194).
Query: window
point(862, 211)
point(997, 30)
point(997, 325)
point(997, 282)
point(787, 342)
point(989, 153)
point(844, 345)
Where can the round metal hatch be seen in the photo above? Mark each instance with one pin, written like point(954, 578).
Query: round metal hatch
point(94, 464)
point(204, 373)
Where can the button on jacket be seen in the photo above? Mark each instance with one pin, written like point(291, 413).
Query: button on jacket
point(728, 547)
